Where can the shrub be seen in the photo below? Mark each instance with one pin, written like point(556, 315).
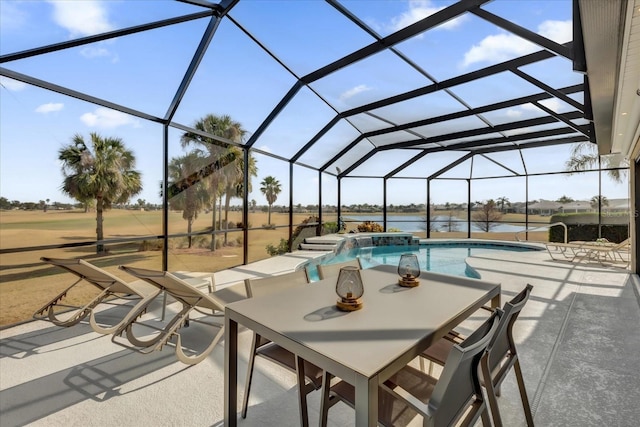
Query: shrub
point(153, 245)
point(269, 226)
point(330, 227)
point(370, 226)
point(282, 248)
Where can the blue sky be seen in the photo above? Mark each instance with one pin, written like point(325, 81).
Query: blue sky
point(238, 78)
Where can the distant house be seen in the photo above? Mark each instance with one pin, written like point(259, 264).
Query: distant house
point(544, 207)
point(576, 207)
point(616, 205)
point(549, 207)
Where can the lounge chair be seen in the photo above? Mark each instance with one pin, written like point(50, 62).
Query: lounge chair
point(109, 285)
point(564, 251)
point(605, 252)
point(312, 378)
point(580, 250)
point(332, 270)
point(192, 299)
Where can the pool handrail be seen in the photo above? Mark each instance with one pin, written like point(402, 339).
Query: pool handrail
point(566, 230)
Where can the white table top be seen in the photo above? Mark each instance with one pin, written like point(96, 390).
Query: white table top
point(394, 325)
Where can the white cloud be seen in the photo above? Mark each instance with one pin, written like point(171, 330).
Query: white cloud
point(11, 17)
point(12, 85)
point(558, 31)
point(98, 52)
point(418, 10)
point(353, 92)
point(553, 104)
point(513, 113)
point(497, 48)
point(81, 18)
point(504, 46)
point(49, 107)
point(106, 119)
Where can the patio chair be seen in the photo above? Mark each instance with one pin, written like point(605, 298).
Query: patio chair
point(312, 378)
point(502, 355)
point(456, 397)
point(331, 270)
point(192, 299)
point(109, 285)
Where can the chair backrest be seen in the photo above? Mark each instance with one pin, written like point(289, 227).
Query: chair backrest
point(624, 244)
point(258, 286)
point(95, 275)
point(175, 286)
point(503, 343)
point(331, 270)
point(459, 383)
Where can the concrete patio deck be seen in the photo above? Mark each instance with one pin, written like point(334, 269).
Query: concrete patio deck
point(578, 338)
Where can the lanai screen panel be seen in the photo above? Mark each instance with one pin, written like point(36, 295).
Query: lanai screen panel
point(296, 124)
point(245, 87)
point(32, 19)
point(103, 69)
point(303, 35)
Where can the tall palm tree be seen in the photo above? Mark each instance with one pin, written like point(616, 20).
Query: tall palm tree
point(218, 155)
point(504, 200)
point(270, 187)
point(234, 182)
point(599, 200)
point(103, 173)
point(193, 198)
point(584, 156)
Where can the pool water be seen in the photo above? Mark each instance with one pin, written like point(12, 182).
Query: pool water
point(447, 258)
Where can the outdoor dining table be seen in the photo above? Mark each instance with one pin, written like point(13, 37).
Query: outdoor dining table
point(363, 347)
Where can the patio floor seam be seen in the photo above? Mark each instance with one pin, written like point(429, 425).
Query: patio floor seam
point(537, 397)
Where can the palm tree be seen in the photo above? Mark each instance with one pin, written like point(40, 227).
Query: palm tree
point(584, 156)
point(599, 200)
point(193, 198)
point(270, 187)
point(565, 199)
point(103, 173)
point(218, 155)
point(503, 201)
point(234, 182)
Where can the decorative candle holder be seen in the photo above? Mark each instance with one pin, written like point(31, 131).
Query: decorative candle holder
point(409, 270)
point(349, 288)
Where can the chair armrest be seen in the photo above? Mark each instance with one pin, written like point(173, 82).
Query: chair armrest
point(408, 398)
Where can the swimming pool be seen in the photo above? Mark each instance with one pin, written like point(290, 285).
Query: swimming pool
point(446, 257)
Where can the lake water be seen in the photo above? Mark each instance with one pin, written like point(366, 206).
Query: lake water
point(417, 223)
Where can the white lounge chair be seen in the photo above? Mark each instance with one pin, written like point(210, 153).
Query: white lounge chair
point(109, 286)
point(192, 299)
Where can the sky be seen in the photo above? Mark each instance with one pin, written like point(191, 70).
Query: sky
point(238, 78)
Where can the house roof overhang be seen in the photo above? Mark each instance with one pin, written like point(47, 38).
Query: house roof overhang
point(613, 74)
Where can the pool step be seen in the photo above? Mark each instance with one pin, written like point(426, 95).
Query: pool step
point(320, 243)
point(317, 247)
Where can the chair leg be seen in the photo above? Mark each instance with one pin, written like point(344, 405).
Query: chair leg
point(247, 384)
point(491, 394)
point(302, 392)
point(523, 394)
point(486, 421)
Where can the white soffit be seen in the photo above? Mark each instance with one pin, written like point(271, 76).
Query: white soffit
point(602, 32)
point(626, 113)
